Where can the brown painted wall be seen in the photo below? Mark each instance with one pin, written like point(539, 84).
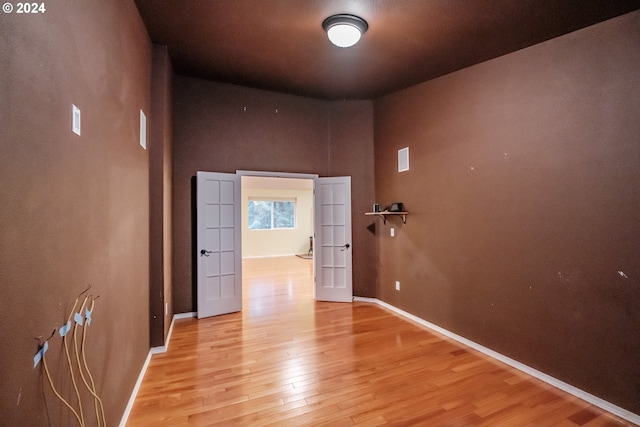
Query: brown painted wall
point(224, 128)
point(524, 201)
point(160, 181)
point(351, 153)
point(75, 208)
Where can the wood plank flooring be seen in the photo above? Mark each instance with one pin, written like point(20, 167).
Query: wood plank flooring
point(287, 360)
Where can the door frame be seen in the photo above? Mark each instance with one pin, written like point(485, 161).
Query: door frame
point(263, 174)
point(284, 175)
point(266, 174)
point(277, 174)
point(314, 177)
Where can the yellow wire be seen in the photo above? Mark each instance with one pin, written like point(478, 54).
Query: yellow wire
point(46, 370)
point(92, 390)
point(75, 343)
point(73, 377)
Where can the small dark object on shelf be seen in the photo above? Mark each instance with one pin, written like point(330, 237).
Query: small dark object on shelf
point(396, 207)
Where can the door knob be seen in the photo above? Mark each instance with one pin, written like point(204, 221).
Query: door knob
point(205, 252)
point(347, 246)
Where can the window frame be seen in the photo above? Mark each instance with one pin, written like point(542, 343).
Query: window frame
point(272, 201)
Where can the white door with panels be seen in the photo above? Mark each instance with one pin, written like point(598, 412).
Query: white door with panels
point(219, 237)
point(332, 245)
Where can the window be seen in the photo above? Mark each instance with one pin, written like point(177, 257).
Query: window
point(272, 214)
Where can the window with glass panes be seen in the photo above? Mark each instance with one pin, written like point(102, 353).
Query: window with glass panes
point(271, 214)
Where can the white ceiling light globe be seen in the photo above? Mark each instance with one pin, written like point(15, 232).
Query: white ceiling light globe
point(344, 35)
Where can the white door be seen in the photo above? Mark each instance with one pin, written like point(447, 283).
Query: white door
point(219, 244)
point(332, 245)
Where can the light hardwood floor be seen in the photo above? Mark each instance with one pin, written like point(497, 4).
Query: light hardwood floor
point(287, 360)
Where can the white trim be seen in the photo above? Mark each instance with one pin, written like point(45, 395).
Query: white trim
point(158, 350)
point(134, 393)
point(165, 347)
point(588, 397)
point(185, 315)
point(277, 174)
point(269, 256)
point(367, 299)
point(143, 371)
point(272, 199)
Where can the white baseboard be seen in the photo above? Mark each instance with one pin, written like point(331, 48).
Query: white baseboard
point(184, 315)
point(165, 347)
point(590, 398)
point(134, 393)
point(143, 371)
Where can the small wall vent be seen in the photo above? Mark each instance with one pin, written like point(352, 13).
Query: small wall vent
point(403, 159)
point(143, 130)
point(75, 119)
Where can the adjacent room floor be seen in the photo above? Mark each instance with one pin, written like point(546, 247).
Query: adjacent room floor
point(287, 360)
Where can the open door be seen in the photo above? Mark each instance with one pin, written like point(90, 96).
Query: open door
point(332, 246)
point(219, 244)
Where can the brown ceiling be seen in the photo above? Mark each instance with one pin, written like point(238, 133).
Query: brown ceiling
point(280, 44)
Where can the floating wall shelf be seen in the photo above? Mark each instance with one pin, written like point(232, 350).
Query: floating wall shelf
point(384, 215)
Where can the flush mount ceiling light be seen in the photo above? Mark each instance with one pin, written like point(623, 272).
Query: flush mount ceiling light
point(344, 30)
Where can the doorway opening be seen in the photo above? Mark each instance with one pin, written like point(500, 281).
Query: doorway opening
point(219, 227)
point(277, 236)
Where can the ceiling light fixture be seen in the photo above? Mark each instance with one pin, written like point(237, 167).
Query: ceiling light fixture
point(344, 30)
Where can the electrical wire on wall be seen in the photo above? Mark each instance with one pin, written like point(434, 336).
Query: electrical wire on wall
point(79, 321)
point(63, 332)
point(97, 402)
point(75, 320)
point(42, 350)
